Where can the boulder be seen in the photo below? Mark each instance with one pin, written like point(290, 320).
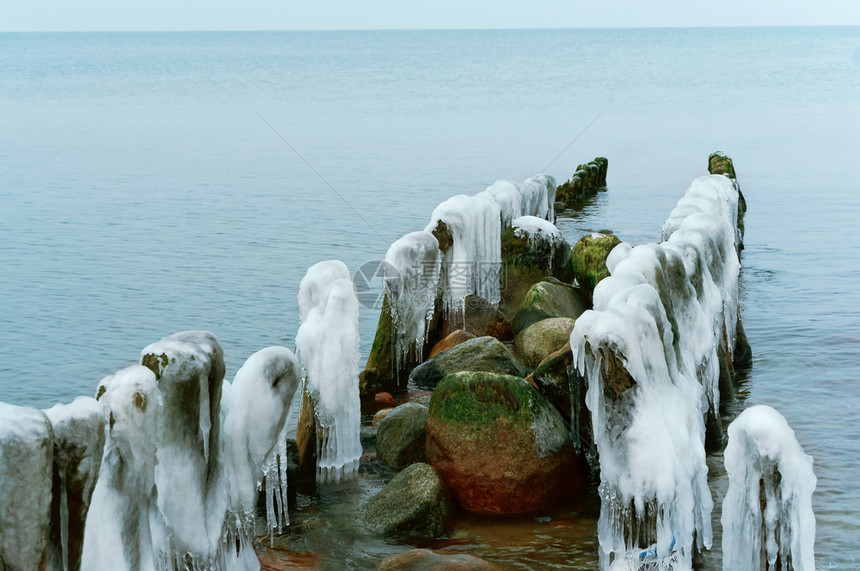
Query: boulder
point(453, 339)
point(401, 436)
point(588, 259)
point(479, 354)
point(499, 445)
point(555, 378)
point(379, 415)
point(719, 163)
point(79, 438)
point(481, 319)
point(26, 473)
point(531, 250)
point(426, 560)
point(546, 299)
point(415, 503)
point(539, 340)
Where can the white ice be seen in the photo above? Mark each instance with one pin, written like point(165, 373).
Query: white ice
point(190, 373)
point(26, 455)
point(327, 342)
point(124, 517)
point(254, 410)
point(767, 512)
point(315, 282)
point(472, 264)
point(411, 286)
point(534, 197)
point(79, 437)
point(661, 313)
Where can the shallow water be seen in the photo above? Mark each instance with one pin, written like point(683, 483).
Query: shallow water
point(143, 194)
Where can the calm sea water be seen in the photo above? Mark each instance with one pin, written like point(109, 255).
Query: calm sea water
point(142, 192)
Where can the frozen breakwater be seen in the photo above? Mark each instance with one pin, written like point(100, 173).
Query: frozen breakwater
point(545, 368)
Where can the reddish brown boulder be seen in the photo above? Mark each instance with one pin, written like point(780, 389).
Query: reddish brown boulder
point(384, 399)
point(426, 560)
point(499, 445)
point(455, 338)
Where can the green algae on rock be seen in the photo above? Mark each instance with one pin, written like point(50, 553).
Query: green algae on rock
point(478, 354)
point(546, 299)
point(415, 503)
point(588, 259)
point(500, 446)
point(401, 436)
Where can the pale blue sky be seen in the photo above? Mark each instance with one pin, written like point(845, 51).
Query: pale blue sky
point(54, 15)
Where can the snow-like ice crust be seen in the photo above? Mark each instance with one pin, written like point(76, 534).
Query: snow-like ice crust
point(254, 409)
point(411, 284)
point(533, 228)
point(767, 512)
point(327, 342)
point(661, 313)
point(165, 501)
point(26, 454)
point(472, 265)
point(79, 446)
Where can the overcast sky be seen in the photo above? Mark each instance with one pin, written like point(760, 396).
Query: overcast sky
point(83, 15)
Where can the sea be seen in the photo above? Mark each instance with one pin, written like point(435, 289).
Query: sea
point(157, 182)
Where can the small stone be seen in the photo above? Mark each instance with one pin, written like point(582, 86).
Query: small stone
point(384, 399)
point(415, 503)
point(426, 560)
point(401, 436)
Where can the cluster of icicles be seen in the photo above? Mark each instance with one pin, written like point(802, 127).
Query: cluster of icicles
point(418, 271)
point(666, 313)
point(162, 470)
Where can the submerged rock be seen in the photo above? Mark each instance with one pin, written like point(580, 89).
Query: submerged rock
point(26, 457)
point(588, 259)
point(539, 340)
point(401, 436)
point(426, 560)
point(548, 299)
point(500, 446)
point(415, 503)
point(479, 354)
point(79, 438)
point(452, 340)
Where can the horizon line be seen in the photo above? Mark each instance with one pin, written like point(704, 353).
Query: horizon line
point(464, 29)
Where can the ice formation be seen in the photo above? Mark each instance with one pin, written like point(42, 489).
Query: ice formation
point(472, 263)
point(316, 280)
point(178, 481)
point(254, 411)
point(411, 286)
point(189, 367)
point(767, 512)
point(26, 456)
point(327, 342)
point(649, 352)
point(79, 438)
point(124, 527)
point(534, 197)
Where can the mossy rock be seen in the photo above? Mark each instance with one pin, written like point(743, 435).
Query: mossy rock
point(414, 504)
point(500, 446)
point(719, 163)
point(478, 354)
point(548, 299)
point(539, 340)
point(401, 436)
point(527, 260)
point(588, 259)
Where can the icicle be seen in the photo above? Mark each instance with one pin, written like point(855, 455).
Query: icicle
point(327, 341)
point(649, 352)
point(412, 273)
point(767, 512)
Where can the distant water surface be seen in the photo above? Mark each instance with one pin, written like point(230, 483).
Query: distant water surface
point(142, 193)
